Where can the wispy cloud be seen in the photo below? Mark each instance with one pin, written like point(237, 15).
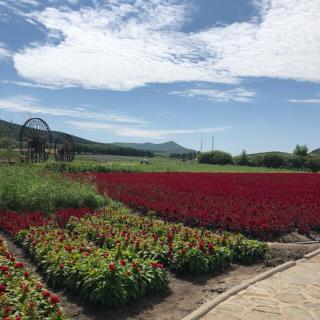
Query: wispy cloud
point(28, 84)
point(29, 104)
point(22, 3)
point(4, 52)
point(235, 95)
point(311, 101)
point(134, 132)
point(307, 101)
point(126, 44)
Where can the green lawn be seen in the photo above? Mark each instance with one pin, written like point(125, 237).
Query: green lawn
point(158, 164)
point(30, 188)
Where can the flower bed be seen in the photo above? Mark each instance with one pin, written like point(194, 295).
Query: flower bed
point(22, 296)
point(98, 276)
point(13, 222)
point(179, 248)
point(262, 205)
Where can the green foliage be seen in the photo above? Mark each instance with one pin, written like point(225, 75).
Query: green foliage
point(111, 149)
point(215, 157)
point(184, 156)
point(243, 159)
point(27, 188)
point(257, 160)
point(99, 276)
point(300, 150)
point(273, 161)
point(22, 293)
point(121, 164)
point(295, 162)
point(312, 163)
point(245, 250)
point(180, 249)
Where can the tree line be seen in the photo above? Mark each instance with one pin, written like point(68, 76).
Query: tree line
point(109, 149)
point(299, 159)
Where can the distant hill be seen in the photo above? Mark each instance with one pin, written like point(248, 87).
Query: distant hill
point(316, 151)
point(166, 147)
point(15, 130)
point(12, 130)
point(279, 153)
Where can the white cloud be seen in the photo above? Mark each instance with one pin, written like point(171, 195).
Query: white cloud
point(311, 101)
point(129, 131)
point(28, 84)
point(4, 53)
point(31, 105)
point(127, 44)
point(73, 1)
point(20, 3)
point(306, 101)
point(236, 95)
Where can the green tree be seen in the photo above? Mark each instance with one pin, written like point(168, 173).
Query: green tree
point(300, 150)
point(243, 159)
point(215, 157)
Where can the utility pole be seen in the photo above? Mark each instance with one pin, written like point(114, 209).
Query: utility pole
point(201, 146)
point(212, 143)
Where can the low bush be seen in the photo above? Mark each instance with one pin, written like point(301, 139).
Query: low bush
point(295, 162)
point(243, 159)
point(312, 163)
point(26, 188)
point(273, 161)
point(215, 157)
point(22, 296)
point(99, 276)
point(181, 249)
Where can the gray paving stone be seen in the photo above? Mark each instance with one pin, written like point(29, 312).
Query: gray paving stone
point(293, 294)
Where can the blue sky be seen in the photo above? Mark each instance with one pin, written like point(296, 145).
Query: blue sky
point(244, 71)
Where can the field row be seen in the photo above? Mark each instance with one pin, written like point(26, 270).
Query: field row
point(22, 296)
point(109, 258)
point(262, 205)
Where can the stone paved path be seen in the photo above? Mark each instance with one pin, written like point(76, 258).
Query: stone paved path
point(293, 294)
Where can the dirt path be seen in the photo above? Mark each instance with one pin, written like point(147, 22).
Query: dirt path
point(186, 295)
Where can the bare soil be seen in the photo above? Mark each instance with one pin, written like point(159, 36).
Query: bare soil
point(187, 293)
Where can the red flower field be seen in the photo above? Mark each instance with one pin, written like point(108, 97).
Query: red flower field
point(256, 204)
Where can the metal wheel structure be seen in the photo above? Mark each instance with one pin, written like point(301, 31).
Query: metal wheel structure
point(64, 148)
point(35, 140)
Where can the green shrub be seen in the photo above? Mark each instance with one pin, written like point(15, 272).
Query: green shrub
point(313, 163)
point(295, 162)
point(301, 150)
point(31, 189)
point(256, 160)
point(243, 159)
point(273, 161)
point(215, 157)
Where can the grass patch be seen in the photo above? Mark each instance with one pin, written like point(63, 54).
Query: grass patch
point(30, 188)
point(117, 164)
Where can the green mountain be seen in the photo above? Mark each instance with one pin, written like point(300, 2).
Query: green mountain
point(8, 129)
point(12, 130)
point(166, 147)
